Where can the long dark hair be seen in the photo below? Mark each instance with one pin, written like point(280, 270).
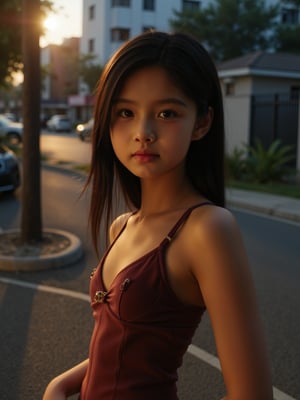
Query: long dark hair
point(192, 70)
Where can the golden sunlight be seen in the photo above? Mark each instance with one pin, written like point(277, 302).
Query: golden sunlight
point(50, 23)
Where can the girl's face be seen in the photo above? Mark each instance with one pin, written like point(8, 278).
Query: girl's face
point(153, 123)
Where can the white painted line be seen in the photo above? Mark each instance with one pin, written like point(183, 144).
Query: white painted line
point(279, 395)
point(214, 362)
point(204, 356)
point(192, 349)
point(48, 289)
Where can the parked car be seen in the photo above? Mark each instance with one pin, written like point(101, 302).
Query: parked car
point(44, 118)
point(59, 123)
point(9, 170)
point(12, 131)
point(11, 116)
point(84, 131)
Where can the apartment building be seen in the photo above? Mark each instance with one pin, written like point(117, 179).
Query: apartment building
point(61, 79)
point(108, 23)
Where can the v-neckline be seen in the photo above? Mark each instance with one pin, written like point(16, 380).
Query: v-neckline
point(131, 264)
point(167, 239)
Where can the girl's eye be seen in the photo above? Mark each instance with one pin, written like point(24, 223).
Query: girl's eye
point(124, 113)
point(166, 114)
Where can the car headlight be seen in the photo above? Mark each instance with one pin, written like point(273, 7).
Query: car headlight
point(80, 128)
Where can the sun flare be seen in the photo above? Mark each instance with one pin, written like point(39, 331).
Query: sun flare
point(50, 23)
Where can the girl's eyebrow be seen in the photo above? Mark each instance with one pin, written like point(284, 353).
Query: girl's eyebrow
point(169, 100)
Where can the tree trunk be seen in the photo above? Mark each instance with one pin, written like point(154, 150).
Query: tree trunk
point(31, 220)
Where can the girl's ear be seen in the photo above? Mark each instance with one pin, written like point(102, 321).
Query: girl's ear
point(203, 125)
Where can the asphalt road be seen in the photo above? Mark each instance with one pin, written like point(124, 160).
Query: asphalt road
point(65, 147)
point(44, 331)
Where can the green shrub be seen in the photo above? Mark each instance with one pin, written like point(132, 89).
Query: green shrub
point(267, 164)
point(259, 164)
point(236, 164)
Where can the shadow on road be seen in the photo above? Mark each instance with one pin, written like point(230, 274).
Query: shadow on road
point(13, 338)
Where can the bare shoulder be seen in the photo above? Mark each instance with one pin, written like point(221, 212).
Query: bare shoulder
point(212, 223)
point(214, 233)
point(117, 225)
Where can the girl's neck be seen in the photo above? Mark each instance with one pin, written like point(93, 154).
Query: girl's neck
point(160, 199)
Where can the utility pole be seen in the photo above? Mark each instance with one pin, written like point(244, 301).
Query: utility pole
point(31, 219)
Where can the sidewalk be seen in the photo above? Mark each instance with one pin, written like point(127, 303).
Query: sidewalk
point(277, 206)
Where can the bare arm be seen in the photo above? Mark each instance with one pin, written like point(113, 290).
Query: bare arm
point(227, 288)
point(66, 384)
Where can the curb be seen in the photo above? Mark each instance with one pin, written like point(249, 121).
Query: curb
point(270, 211)
point(67, 169)
point(56, 260)
point(278, 206)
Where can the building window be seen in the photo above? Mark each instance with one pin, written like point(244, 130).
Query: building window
point(92, 12)
point(91, 45)
point(149, 5)
point(119, 34)
point(120, 3)
point(190, 5)
point(290, 16)
point(229, 87)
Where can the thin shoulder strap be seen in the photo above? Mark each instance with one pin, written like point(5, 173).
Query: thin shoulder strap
point(183, 218)
point(122, 228)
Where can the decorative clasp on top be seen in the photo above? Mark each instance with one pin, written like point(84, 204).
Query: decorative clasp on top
point(93, 273)
point(100, 296)
point(124, 285)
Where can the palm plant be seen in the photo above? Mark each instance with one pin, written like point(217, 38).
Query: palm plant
point(267, 164)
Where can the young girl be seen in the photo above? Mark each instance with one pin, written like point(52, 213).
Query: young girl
point(158, 136)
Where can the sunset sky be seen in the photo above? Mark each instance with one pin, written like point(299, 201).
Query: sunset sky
point(65, 23)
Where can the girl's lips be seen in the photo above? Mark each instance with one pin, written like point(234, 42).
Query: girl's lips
point(145, 156)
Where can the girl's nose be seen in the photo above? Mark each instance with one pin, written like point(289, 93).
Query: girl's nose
point(145, 133)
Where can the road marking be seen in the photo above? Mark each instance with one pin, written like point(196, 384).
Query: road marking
point(214, 362)
point(48, 289)
point(192, 349)
point(204, 356)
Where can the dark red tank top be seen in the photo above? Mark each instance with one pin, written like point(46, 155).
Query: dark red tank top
point(141, 332)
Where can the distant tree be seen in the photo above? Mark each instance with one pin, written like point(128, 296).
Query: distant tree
point(89, 71)
point(229, 28)
point(291, 2)
point(11, 37)
point(288, 38)
point(288, 35)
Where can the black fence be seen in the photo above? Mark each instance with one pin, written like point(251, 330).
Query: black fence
point(275, 117)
